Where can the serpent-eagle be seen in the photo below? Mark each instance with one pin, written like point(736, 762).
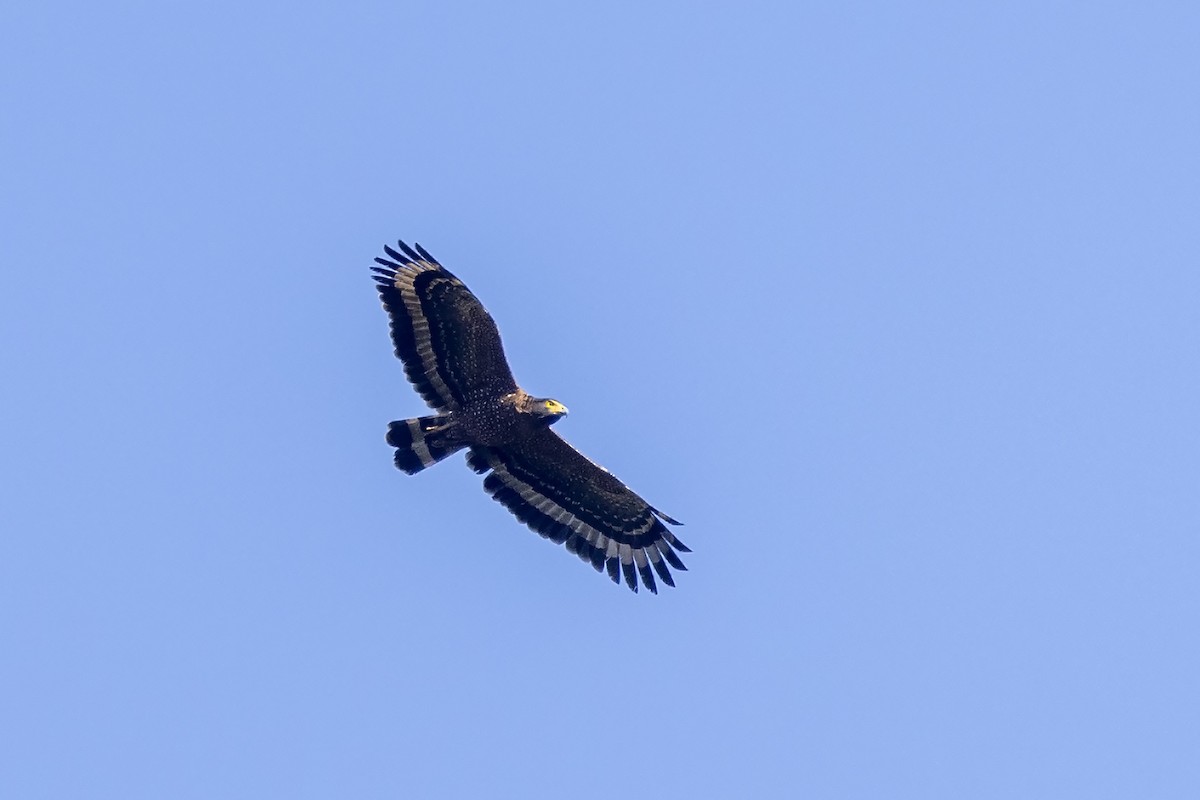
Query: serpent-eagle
point(453, 357)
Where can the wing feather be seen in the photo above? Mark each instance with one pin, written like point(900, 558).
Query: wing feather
point(567, 498)
point(448, 342)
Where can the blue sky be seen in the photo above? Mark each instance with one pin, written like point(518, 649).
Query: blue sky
point(895, 305)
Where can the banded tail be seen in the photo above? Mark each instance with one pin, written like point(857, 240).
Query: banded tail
point(422, 442)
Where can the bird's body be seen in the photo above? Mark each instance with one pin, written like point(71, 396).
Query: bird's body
point(499, 421)
point(453, 356)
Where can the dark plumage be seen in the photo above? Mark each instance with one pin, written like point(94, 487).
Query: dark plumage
point(453, 356)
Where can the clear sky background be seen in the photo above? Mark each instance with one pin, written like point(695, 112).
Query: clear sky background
point(896, 305)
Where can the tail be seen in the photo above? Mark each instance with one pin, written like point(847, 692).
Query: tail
point(422, 442)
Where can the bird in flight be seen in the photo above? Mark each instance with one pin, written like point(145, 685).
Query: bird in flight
point(452, 355)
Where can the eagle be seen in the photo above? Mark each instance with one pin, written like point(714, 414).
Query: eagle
point(453, 357)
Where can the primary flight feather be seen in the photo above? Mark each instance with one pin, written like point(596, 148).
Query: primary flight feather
point(453, 357)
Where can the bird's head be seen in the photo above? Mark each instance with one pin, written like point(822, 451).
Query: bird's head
point(550, 411)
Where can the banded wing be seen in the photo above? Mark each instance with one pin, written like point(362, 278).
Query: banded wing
point(447, 340)
point(567, 498)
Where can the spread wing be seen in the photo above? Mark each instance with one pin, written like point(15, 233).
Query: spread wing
point(447, 340)
point(567, 498)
